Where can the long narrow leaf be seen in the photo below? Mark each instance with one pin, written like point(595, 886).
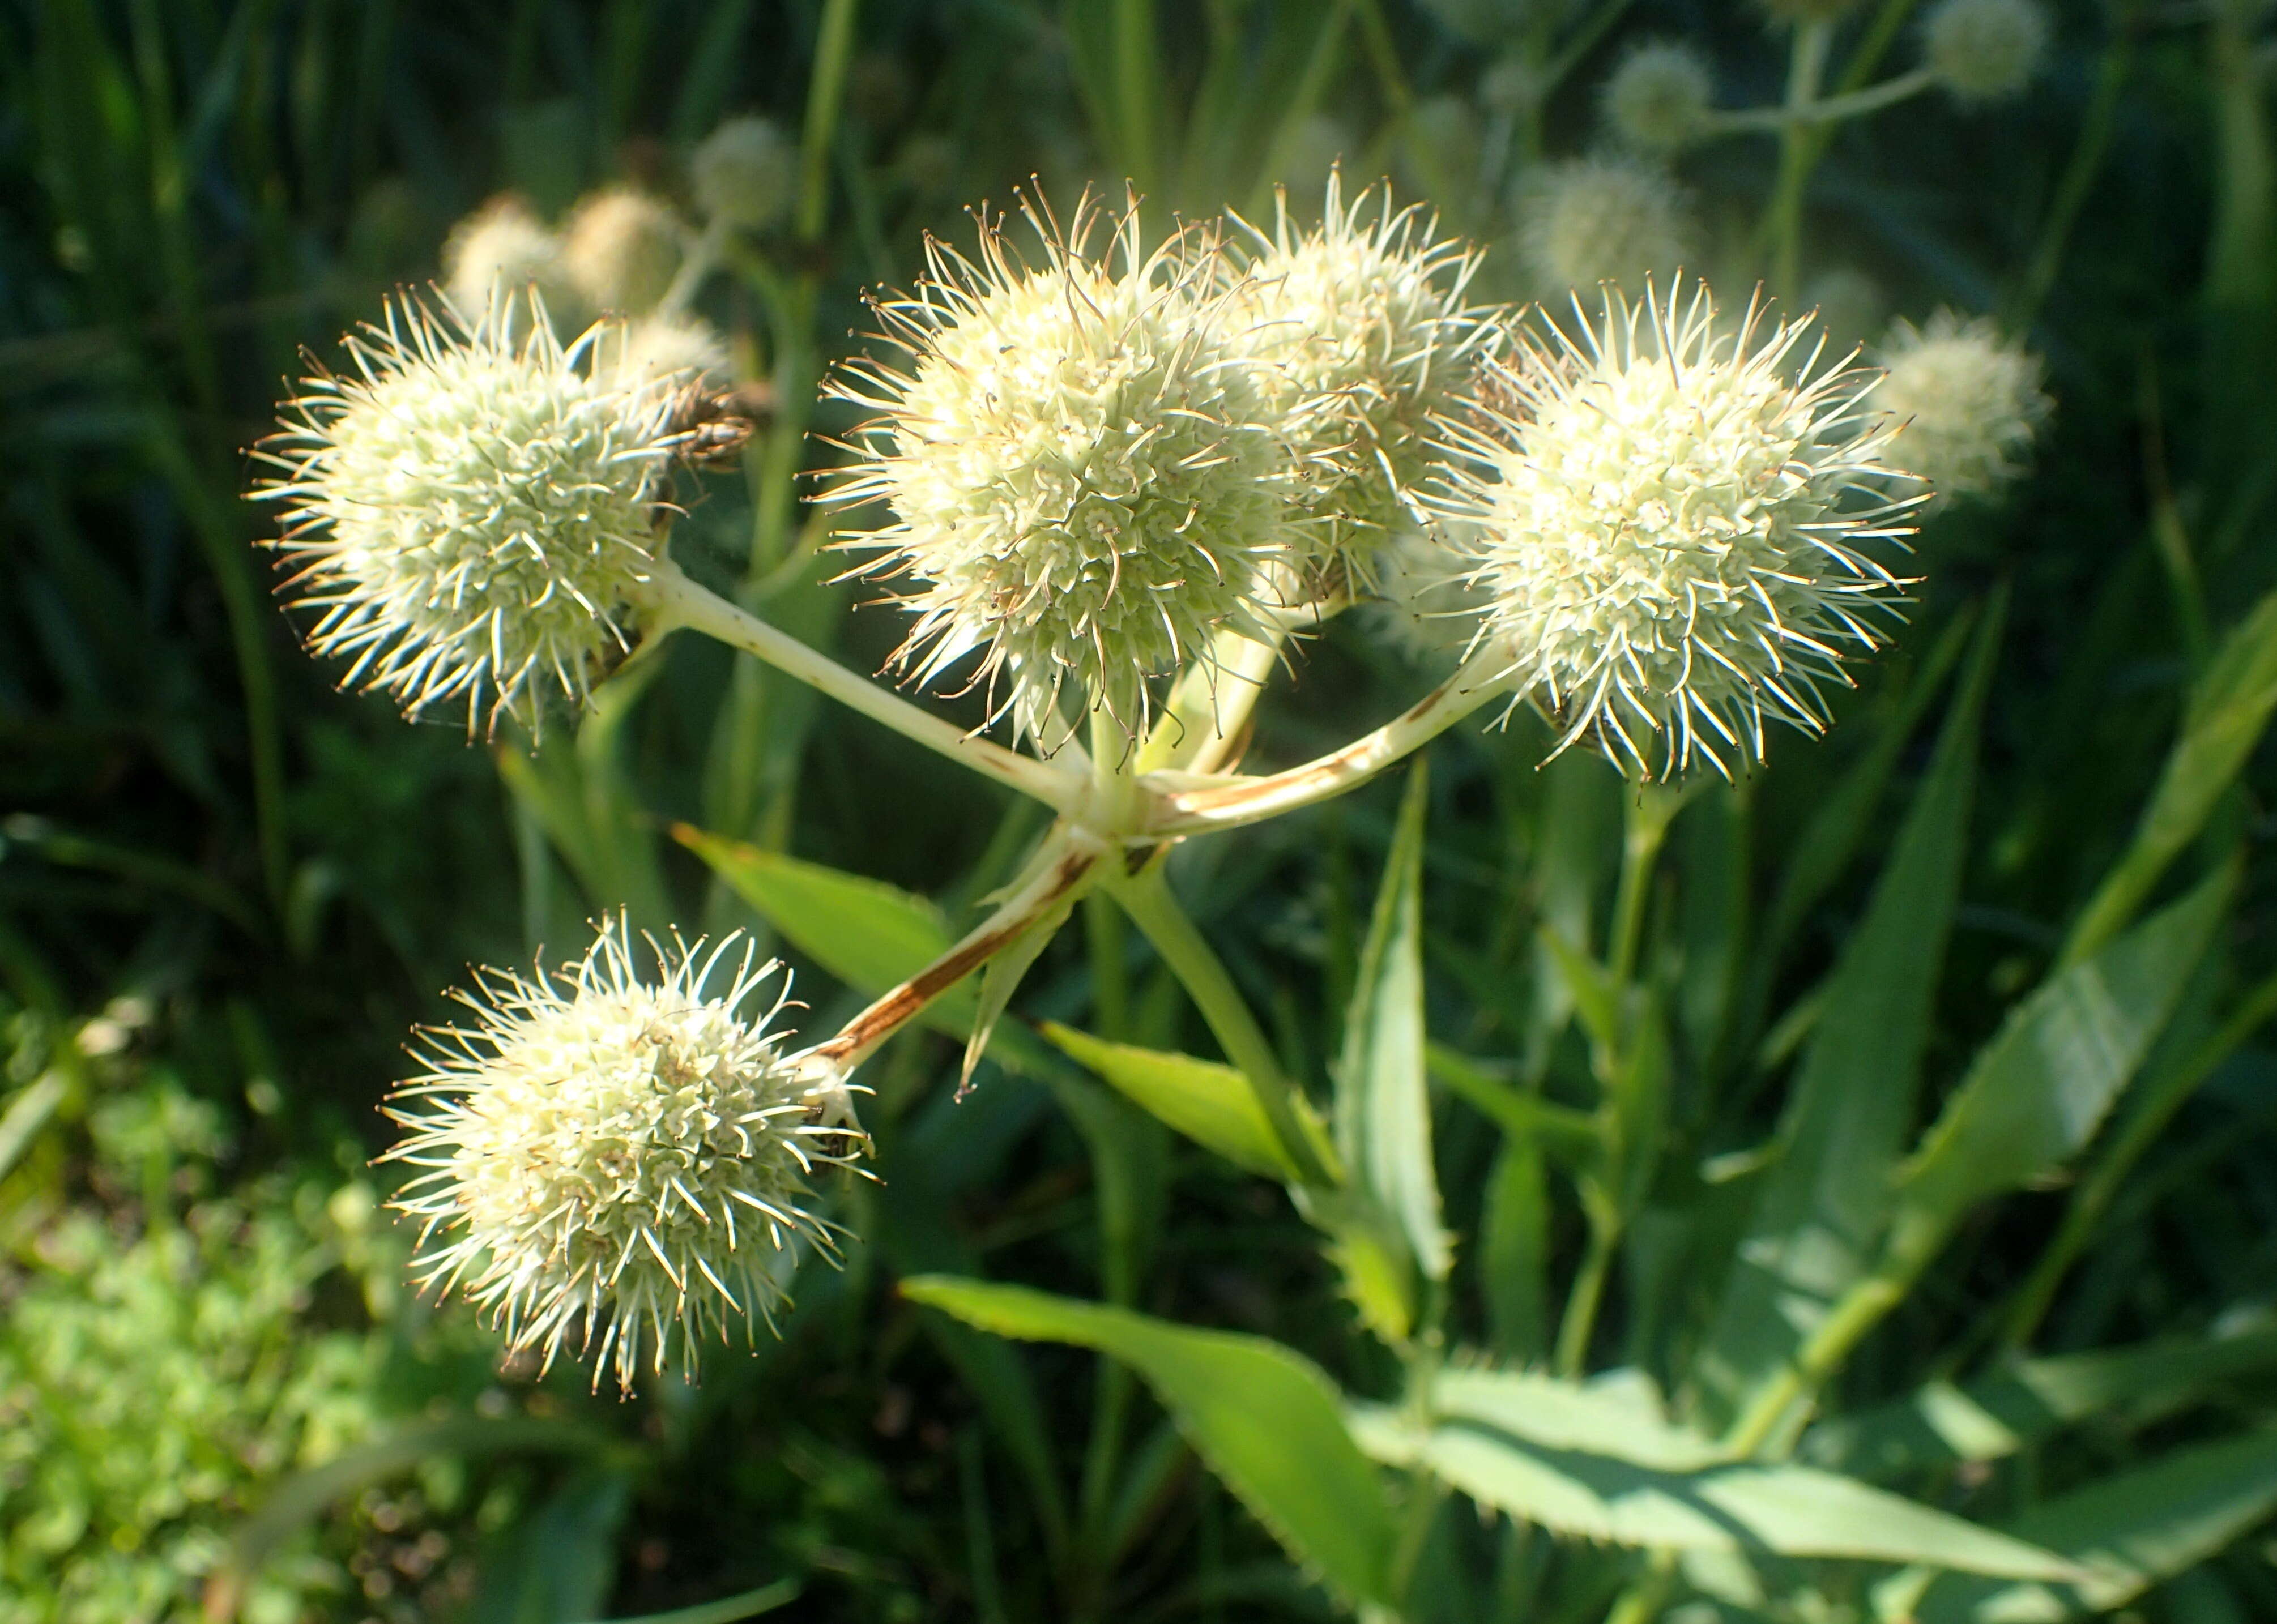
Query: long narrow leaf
point(1265, 1419)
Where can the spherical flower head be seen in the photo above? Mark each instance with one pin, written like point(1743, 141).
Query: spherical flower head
point(470, 511)
point(622, 248)
point(1660, 98)
point(1985, 51)
point(1964, 403)
point(1363, 340)
point(1664, 515)
point(744, 173)
point(684, 348)
point(606, 1155)
point(1081, 467)
point(1586, 221)
point(503, 251)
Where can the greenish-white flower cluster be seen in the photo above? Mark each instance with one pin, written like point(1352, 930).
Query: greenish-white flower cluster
point(1985, 51)
point(1583, 222)
point(1965, 403)
point(1664, 518)
point(470, 509)
point(606, 1155)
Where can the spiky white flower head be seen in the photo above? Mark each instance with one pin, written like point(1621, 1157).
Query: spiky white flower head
point(686, 348)
point(503, 251)
point(1425, 605)
point(1364, 339)
point(1963, 401)
point(1660, 98)
point(1586, 221)
point(609, 1155)
point(744, 173)
point(1665, 512)
point(1083, 470)
point(472, 513)
point(622, 248)
point(1985, 51)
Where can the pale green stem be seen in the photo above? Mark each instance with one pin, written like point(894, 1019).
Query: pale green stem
point(1858, 1311)
point(825, 88)
point(1147, 898)
point(1587, 1293)
point(702, 259)
point(1231, 804)
point(1641, 1602)
point(1651, 811)
point(1783, 221)
point(1829, 110)
point(674, 601)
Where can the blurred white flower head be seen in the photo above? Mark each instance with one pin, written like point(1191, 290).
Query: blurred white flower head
point(470, 511)
point(1985, 51)
point(1964, 403)
point(622, 248)
point(1085, 473)
point(1586, 221)
point(608, 1155)
point(504, 251)
point(744, 173)
point(684, 348)
point(1661, 96)
point(1664, 512)
point(1363, 340)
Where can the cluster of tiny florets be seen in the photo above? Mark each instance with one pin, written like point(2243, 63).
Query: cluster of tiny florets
point(744, 173)
point(1661, 96)
point(471, 510)
point(1663, 517)
point(684, 348)
point(622, 249)
point(1964, 403)
point(1363, 341)
point(607, 1155)
point(1082, 466)
point(502, 251)
point(1985, 51)
point(1586, 221)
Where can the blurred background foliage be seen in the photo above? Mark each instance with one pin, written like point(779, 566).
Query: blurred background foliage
point(226, 890)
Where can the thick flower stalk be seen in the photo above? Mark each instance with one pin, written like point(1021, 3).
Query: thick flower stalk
point(470, 509)
point(1363, 339)
point(1965, 403)
point(607, 1155)
point(1082, 469)
point(1664, 517)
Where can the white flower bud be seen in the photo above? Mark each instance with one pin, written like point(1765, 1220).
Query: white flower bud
point(745, 173)
point(1659, 98)
point(1084, 472)
point(503, 251)
point(1664, 517)
point(1985, 51)
point(1586, 221)
point(470, 512)
point(1363, 340)
point(622, 248)
point(608, 1156)
point(1964, 403)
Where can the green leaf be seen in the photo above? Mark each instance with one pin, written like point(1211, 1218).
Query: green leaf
point(1265, 1419)
point(726, 1609)
point(1514, 1248)
point(1214, 1105)
point(868, 934)
point(1384, 1103)
point(1597, 1462)
point(1941, 1425)
point(1825, 1200)
point(2127, 1532)
point(2229, 711)
point(2039, 1089)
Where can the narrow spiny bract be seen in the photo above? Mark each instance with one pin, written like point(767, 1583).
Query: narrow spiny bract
point(606, 1155)
point(1363, 340)
point(1084, 470)
point(470, 509)
point(1964, 403)
point(1662, 513)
